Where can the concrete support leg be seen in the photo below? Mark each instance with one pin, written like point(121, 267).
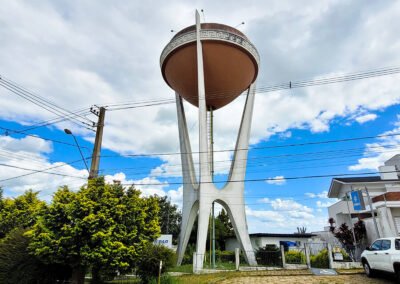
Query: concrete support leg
point(202, 229)
point(237, 215)
point(189, 175)
point(238, 167)
point(189, 215)
point(190, 204)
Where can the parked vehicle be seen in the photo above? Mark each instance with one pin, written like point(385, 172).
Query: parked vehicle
point(382, 255)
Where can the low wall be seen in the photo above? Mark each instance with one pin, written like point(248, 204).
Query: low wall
point(346, 265)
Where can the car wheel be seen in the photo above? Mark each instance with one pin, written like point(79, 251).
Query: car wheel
point(368, 271)
point(397, 272)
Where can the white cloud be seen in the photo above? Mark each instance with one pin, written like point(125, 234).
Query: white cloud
point(321, 204)
point(176, 196)
point(364, 118)
point(265, 215)
point(23, 158)
point(148, 185)
point(375, 154)
point(290, 205)
point(264, 200)
point(27, 145)
point(285, 216)
point(278, 180)
point(323, 194)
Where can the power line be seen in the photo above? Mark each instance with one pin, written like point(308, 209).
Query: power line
point(262, 147)
point(55, 120)
point(277, 156)
point(39, 171)
point(319, 155)
point(43, 170)
point(267, 179)
point(272, 88)
point(39, 98)
point(43, 103)
point(9, 130)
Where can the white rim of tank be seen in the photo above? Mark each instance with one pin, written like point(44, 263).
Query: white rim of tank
point(210, 34)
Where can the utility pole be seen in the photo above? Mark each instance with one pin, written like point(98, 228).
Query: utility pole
point(213, 237)
point(94, 167)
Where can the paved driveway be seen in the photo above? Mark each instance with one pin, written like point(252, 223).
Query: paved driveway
point(339, 279)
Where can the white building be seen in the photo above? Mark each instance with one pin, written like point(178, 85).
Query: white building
point(384, 197)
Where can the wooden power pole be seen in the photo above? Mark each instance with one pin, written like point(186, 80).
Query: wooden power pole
point(94, 167)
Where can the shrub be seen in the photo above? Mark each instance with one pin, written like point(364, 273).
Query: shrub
point(346, 256)
point(147, 267)
point(188, 256)
point(225, 256)
point(270, 255)
point(18, 266)
point(294, 256)
point(321, 260)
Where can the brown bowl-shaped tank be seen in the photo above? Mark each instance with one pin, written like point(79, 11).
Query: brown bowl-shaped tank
point(230, 64)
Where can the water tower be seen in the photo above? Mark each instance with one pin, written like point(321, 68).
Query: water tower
point(209, 65)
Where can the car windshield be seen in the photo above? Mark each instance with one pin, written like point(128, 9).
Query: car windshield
point(397, 244)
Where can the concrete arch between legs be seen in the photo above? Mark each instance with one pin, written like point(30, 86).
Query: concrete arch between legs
point(189, 215)
point(237, 216)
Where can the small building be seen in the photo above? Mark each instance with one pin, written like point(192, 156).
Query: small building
point(381, 196)
point(259, 240)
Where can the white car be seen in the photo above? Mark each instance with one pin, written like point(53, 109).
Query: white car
point(383, 255)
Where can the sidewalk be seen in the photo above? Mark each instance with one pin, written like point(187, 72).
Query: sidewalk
point(353, 276)
point(305, 276)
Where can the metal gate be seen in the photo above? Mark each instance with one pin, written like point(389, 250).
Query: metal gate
point(269, 257)
point(318, 255)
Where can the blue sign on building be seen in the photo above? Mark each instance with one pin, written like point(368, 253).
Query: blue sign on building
point(358, 200)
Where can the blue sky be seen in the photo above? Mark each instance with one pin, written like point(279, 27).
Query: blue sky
point(82, 54)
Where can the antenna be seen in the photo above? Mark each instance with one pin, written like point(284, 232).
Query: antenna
point(204, 16)
point(242, 23)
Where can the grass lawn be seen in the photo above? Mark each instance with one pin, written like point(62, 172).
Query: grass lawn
point(188, 268)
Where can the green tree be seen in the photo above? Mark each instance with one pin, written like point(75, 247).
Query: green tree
point(19, 212)
point(101, 226)
point(149, 263)
point(223, 229)
point(169, 217)
point(345, 235)
point(18, 266)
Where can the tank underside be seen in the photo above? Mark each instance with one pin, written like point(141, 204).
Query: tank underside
point(228, 71)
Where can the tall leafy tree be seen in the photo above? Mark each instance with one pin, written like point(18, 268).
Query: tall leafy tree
point(19, 212)
point(101, 226)
point(170, 217)
point(223, 229)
